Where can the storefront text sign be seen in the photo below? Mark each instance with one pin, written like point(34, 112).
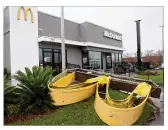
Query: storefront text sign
point(113, 36)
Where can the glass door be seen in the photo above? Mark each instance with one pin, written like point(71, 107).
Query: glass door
point(57, 62)
point(51, 57)
point(108, 61)
point(85, 59)
point(47, 59)
point(95, 60)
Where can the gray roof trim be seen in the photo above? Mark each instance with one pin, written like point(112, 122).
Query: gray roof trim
point(78, 23)
point(102, 27)
point(56, 16)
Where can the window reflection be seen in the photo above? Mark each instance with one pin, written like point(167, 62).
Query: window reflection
point(95, 60)
point(108, 61)
point(40, 57)
point(113, 58)
point(120, 58)
point(116, 57)
point(85, 60)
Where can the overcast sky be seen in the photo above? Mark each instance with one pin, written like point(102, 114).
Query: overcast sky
point(122, 20)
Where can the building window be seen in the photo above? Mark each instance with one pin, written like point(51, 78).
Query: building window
point(116, 57)
point(40, 57)
point(113, 57)
point(46, 49)
point(85, 60)
point(95, 60)
point(57, 58)
point(108, 61)
point(51, 57)
point(120, 58)
point(48, 58)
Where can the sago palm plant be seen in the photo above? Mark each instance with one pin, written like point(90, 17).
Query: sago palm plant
point(10, 97)
point(33, 88)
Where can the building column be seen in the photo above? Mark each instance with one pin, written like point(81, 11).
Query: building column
point(112, 69)
point(24, 50)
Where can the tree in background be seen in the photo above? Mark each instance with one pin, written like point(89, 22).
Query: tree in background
point(149, 53)
point(158, 53)
point(127, 55)
point(135, 54)
point(143, 54)
point(153, 53)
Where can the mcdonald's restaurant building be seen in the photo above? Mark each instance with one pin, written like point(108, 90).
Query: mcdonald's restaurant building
point(34, 38)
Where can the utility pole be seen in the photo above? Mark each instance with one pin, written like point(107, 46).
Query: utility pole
point(138, 44)
point(163, 41)
point(62, 39)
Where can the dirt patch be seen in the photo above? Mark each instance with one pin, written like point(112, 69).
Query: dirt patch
point(23, 116)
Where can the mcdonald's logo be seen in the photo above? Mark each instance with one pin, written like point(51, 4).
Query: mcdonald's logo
point(25, 11)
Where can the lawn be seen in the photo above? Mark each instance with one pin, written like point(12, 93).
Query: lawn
point(81, 113)
point(159, 79)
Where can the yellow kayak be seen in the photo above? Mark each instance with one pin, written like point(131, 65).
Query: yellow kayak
point(63, 93)
point(122, 112)
point(63, 79)
point(112, 112)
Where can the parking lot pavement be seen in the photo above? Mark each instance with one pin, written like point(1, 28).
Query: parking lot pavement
point(159, 121)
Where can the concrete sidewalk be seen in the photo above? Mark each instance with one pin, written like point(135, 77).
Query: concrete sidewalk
point(159, 121)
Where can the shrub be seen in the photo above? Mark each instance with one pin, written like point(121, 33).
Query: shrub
point(6, 81)
point(33, 88)
point(152, 73)
point(10, 97)
point(6, 73)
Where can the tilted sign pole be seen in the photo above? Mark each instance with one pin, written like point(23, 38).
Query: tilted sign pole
point(62, 39)
point(138, 44)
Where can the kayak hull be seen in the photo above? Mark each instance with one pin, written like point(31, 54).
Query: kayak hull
point(69, 96)
point(62, 93)
point(63, 80)
point(117, 116)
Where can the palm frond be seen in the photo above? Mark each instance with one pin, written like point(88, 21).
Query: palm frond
point(8, 90)
point(33, 87)
point(25, 89)
point(34, 71)
point(28, 72)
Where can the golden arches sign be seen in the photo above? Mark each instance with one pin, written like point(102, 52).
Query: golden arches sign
point(25, 11)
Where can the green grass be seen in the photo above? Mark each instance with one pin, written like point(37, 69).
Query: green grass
point(157, 79)
point(81, 114)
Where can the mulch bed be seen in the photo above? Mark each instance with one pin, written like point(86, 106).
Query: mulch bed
point(22, 117)
point(151, 73)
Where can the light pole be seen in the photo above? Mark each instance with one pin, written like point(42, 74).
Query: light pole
point(138, 44)
point(62, 39)
point(162, 41)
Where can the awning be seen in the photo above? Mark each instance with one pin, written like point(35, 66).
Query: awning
point(98, 45)
point(78, 43)
point(58, 40)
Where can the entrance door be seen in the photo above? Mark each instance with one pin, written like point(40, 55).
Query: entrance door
point(108, 61)
point(47, 59)
point(57, 61)
point(52, 57)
